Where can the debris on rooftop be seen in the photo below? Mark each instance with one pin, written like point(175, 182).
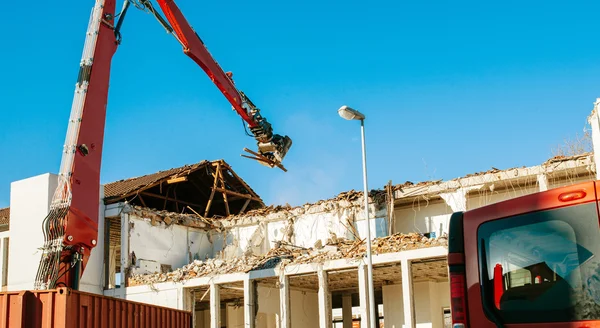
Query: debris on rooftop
point(335, 248)
point(344, 200)
point(157, 217)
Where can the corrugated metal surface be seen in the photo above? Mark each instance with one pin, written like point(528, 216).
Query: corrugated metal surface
point(64, 308)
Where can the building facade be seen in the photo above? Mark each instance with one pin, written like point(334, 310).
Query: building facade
point(199, 238)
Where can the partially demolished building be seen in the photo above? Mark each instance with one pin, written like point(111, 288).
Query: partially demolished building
point(199, 238)
point(283, 266)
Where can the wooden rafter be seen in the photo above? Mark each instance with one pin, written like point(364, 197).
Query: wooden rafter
point(234, 193)
point(175, 195)
point(141, 199)
point(220, 175)
point(243, 183)
point(166, 198)
point(214, 188)
point(245, 205)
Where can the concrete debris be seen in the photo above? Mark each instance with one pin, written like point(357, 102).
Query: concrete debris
point(289, 254)
point(157, 217)
point(562, 158)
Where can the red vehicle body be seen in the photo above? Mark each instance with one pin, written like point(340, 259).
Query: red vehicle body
point(531, 261)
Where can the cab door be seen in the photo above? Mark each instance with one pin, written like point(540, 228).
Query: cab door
point(534, 261)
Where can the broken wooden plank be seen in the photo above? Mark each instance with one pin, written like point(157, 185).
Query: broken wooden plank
point(220, 175)
point(212, 193)
point(145, 193)
point(245, 206)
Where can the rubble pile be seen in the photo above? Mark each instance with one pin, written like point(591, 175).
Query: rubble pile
point(335, 248)
point(157, 217)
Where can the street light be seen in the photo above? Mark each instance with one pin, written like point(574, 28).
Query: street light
point(352, 114)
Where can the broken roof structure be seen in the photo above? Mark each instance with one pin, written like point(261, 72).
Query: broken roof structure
point(208, 188)
point(328, 229)
point(184, 194)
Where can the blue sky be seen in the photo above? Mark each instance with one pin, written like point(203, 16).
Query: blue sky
point(448, 88)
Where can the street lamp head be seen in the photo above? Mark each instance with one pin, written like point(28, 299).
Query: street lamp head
point(350, 113)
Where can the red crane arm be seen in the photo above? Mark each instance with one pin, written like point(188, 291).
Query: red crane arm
point(71, 226)
point(197, 51)
point(272, 148)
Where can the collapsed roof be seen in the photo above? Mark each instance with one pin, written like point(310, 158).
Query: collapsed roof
point(207, 188)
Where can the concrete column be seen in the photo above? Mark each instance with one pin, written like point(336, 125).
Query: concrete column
point(347, 310)
point(542, 182)
point(324, 299)
point(4, 262)
point(124, 247)
point(285, 314)
point(594, 121)
point(215, 306)
point(249, 302)
point(407, 294)
point(364, 295)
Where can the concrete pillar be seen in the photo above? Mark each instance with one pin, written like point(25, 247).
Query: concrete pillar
point(324, 299)
point(215, 306)
point(124, 247)
point(347, 310)
point(249, 302)
point(542, 182)
point(4, 261)
point(594, 121)
point(285, 314)
point(363, 295)
point(407, 294)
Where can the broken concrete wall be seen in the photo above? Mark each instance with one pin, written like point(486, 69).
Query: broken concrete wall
point(171, 245)
point(304, 226)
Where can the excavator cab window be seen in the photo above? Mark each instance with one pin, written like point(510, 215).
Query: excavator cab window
point(542, 266)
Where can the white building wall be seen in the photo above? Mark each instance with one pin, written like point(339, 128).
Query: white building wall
point(486, 196)
point(305, 309)
point(392, 306)
point(29, 204)
point(429, 298)
point(173, 245)
point(423, 216)
point(565, 179)
point(171, 296)
point(235, 316)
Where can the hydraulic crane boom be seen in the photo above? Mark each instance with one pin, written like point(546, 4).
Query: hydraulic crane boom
point(71, 226)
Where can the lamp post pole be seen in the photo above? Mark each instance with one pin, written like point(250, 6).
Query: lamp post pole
point(352, 114)
point(373, 315)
